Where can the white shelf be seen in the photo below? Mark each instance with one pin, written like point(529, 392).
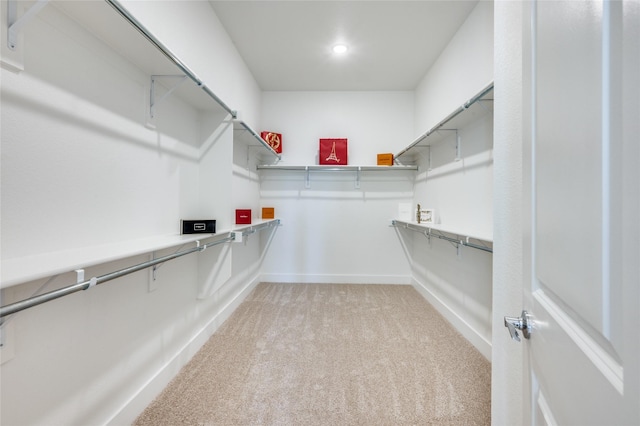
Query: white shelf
point(111, 23)
point(244, 134)
point(460, 234)
point(321, 168)
point(28, 268)
point(478, 106)
point(255, 225)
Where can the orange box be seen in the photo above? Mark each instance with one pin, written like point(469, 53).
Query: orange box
point(268, 213)
point(385, 159)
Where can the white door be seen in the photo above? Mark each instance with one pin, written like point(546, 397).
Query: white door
point(581, 238)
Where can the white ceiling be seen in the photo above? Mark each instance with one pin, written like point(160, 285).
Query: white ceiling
point(287, 44)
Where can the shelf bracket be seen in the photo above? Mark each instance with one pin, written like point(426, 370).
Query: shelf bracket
point(307, 182)
point(14, 24)
point(153, 102)
point(357, 184)
point(482, 105)
point(79, 275)
point(458, 142)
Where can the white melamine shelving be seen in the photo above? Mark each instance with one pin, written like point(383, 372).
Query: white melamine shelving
point(340, 169)
point(478, 106)
point(28, 268)
point(320, 168)
point(450, 233)
point(110, 22)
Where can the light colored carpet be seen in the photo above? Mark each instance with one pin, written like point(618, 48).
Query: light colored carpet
point(330, 354)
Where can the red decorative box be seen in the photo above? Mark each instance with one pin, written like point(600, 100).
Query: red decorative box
point(243, 216)
point(274, 140)
point(333, 152)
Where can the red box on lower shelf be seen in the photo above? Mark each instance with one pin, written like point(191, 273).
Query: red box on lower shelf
point(243, 216)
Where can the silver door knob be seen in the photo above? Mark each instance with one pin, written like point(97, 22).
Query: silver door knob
point(523, 323)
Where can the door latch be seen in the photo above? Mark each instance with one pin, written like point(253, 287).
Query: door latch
point(523, 323)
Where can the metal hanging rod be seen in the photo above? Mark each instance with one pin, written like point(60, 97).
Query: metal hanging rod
point(166, 52)
point(255, 228)
point(347, 168)
point(21, 305)
point(439, 235)
point(477, 98)
point(85, 285)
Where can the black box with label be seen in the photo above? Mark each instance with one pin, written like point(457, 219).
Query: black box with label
point(207, 226)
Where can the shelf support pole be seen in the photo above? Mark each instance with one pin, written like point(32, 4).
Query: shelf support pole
point(14, 24)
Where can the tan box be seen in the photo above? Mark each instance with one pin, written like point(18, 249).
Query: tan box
point(385, 159)
point(268, 213)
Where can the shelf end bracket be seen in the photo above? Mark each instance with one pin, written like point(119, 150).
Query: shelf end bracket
point(152, 96)
point(14, 24)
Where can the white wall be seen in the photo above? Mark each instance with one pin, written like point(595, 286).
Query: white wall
point(462, 69)
point(333, 232)
point(461, 192)
point(206, 48)
point(81, 169)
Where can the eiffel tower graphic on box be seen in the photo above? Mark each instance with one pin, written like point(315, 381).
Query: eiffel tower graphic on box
point(333, 151)
point(332, 156)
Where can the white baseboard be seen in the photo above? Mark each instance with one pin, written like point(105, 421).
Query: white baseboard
point(463, 327)
point(146, 394)
point(336, 279)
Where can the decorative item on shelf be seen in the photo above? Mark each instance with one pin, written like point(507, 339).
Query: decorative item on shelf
point(274, 140)
point(268, 213)
point(243, 216)
point(385, 159)
point(404, 211)
point(205, 226)
point(427, 216)
point(333, 152)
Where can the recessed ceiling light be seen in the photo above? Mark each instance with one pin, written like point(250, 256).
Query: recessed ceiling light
point(340, 49)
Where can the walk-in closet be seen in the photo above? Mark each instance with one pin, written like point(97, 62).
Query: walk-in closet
point(321, 292)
